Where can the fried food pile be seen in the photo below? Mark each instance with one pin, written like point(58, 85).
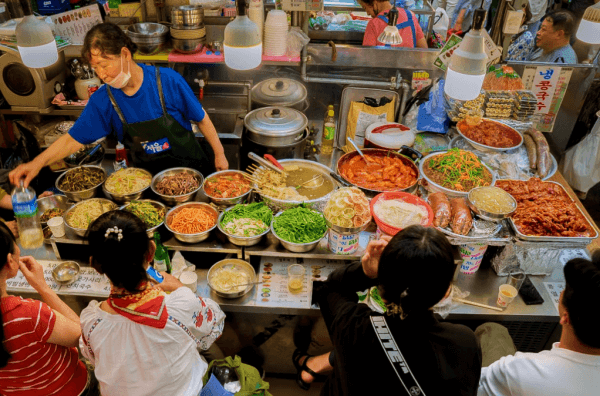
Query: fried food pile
point(545, 209)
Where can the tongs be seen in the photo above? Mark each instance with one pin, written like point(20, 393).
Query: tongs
point(265, 163)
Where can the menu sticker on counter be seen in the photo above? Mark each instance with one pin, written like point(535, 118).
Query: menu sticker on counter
point(88, 283)
point(274, 291)
point(554, 289)
point(76, 23)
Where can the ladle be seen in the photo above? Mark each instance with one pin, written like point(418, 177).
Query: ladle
point(370, 165)
point(315, 182)
point(227, 287)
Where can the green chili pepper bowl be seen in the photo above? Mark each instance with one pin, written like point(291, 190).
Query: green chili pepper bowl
point(158, 206)
point(296, 247)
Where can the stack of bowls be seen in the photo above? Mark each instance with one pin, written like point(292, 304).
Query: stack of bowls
point(187, 28)
point(275, 35)
point(149, 37)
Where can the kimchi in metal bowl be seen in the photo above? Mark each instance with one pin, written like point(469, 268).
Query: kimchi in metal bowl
point(490, 135)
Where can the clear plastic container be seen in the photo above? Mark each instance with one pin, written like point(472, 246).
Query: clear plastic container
point(25, 208)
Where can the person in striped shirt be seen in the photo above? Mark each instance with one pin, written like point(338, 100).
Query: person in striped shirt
point(38, 354)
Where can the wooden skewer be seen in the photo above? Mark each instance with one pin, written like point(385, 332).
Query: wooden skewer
point(462, 300)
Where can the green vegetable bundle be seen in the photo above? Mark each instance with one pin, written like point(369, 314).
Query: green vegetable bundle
point(300, 225)
point(147, 212)
point(256, 210)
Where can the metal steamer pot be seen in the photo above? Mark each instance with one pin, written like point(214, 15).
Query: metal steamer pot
point(407, 154)
point(279, 131)
point(283, 92)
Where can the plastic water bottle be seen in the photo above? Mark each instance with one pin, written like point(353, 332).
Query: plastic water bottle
point(25, 208)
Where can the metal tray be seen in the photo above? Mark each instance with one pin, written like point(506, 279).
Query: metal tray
point(532, 238)
point(485, 148)
point(355, 94)
point(456, 142)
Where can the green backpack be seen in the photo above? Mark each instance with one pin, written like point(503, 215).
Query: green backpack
point(250, 381)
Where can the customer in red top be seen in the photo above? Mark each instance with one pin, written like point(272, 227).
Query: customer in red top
point(37, 354)
point(410, 30)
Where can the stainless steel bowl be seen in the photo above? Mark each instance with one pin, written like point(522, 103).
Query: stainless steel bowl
point(433, 187)
point(225, 201)
point(124, 198)
point(241, 240)
point(483, 147)
point(190, 238)
point(296, 247)
point(74, 159)
point(188, 46)
point(51, 202)
point(157, 205)
point(318, 204)
point(66, 273)
point(187, 15)
point(81, 195)
point(81, 231)
point(149, 37)
point(176, 199)
point(486, 215)
point(239, 264)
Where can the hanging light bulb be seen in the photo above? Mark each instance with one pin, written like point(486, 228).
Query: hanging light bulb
point(589, 27)
point(467, 67)
point(242, 42)
point(36, 43)
point(391, 35)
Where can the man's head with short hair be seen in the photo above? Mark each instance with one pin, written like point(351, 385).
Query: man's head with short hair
point(581, 298)
point(556, 30)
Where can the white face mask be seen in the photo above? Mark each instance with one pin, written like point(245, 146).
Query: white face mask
point(121, 79)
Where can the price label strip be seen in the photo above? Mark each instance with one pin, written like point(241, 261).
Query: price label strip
point(554, 289)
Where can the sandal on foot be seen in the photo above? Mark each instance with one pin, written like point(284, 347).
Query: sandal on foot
point(296, 357)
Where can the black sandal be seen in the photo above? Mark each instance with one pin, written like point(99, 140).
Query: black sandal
point(296, 357)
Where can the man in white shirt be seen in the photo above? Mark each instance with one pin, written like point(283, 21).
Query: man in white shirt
point(572, 367)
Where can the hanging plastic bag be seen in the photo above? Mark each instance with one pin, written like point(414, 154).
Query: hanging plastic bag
point(432, 114)
point(442, 22)
point(581, 163)
point(296, 40)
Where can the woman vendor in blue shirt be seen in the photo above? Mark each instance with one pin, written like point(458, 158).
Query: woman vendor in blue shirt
point(147, 108)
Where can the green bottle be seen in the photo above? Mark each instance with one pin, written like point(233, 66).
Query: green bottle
point(161, 256)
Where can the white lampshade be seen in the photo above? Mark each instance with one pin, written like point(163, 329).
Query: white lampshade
point(242, 41)
point(462, 86)
point(589, 28)
point(36, 43)
point(390, 36)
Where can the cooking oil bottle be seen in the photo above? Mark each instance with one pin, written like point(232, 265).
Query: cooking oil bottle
point(328, 131)
point(25, 208)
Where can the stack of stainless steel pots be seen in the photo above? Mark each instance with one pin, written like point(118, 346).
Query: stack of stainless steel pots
point(187, 28)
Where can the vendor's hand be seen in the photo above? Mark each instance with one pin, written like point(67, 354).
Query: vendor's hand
point(170, 283)
point(12, 226)
point(33, 272)
point(46, 194)
point(370, 260)
point(221, 162)
point(24, 171)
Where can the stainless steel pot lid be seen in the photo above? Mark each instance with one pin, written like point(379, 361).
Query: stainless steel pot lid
point(279, 92)
point(275, 121)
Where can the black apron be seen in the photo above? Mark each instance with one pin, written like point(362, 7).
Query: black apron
point(163, 143)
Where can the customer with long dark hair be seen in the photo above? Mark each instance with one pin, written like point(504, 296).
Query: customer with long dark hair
point(37, 339)
point(406, 352)
point(142, 341)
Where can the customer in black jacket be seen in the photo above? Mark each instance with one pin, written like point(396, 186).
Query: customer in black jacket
point(407, 351)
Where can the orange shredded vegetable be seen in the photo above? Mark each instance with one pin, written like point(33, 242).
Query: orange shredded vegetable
point(192, 220)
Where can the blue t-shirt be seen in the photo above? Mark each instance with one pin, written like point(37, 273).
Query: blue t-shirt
point(564, 54)
point(99, 117)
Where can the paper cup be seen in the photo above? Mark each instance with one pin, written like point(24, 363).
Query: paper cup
point(189, 280)
point(342, 243)
point(472, 254)
point(506, 294)
point(57, 226)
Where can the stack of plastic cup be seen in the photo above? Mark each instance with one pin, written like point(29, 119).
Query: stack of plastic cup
point(275, 36)
point(256, 13)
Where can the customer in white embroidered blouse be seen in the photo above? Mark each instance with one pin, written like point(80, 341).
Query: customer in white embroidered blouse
point(143, 341)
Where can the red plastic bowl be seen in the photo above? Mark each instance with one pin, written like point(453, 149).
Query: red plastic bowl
point(401, 196)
